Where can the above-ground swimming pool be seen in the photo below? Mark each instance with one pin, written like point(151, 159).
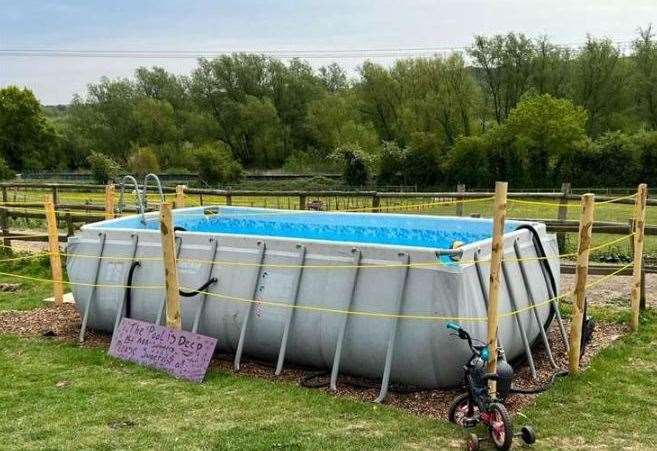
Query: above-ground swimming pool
point(361, 294)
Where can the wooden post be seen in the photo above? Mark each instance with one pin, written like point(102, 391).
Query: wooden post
point(562, 214)
point(497, 251)
point(581, 274)
point(229, 198)
point(459, 205)
point(642, 297)
point(302, 201)
point(53, 248)
point(180, 196)
point(55, 198)
point(4, 223)
point(168, 241)
point(376, 203)
point(639, 223)
point(110, 190)
point(70, 228)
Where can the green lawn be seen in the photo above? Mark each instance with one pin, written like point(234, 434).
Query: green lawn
point(57, 395)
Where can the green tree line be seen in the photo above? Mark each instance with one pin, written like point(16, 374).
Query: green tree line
point(509, 107)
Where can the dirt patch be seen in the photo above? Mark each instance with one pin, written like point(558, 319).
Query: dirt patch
point(63, 323)
point(614, 290)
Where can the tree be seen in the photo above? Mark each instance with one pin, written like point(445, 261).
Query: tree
point(504, 63)
point(214, 164)
point(155, 122)
point(143, 161)
point(27, 140)
point(644, 62)
point(103, 168)
point(357, 164)
point(333, 77)
point(598, 84)
point(548, 130)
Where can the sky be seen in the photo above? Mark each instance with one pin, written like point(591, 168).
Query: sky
point(304, 26)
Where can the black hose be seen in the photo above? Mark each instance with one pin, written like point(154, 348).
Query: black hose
point(128, 293)
point(543, 260)
point(540, 388)
point(189, 294)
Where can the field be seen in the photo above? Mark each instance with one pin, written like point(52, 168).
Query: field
point(57, 395)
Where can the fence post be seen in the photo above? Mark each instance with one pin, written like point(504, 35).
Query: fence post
point(110, 190)
point(168, 240)
point(642, 299)
point(302, 201)
point(562, 214)
point(497, 251)
point(55, 197)
point(459, 205)
point(53, 248)
point(639, 223)
point(376, 203)
point(581, 274)
point(70, 228)
point(229, 198)
point(4, 223)
point(180, 196)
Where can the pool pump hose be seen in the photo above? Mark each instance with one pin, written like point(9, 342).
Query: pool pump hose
point(187, 294)
point(587, 322)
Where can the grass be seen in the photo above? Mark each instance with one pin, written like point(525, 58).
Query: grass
point(31, 293)
point(56, 395)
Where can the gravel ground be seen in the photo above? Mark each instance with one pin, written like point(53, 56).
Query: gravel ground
point(615, 288)
point(63, 323)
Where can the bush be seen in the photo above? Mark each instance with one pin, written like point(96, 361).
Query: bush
point(103, 168)
point(356, 164)
point(391, 168)
point(143, 161)
point(215, 164)
point(467, 162)
point(5, 170)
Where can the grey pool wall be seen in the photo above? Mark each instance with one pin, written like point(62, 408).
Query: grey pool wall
point(258, 275)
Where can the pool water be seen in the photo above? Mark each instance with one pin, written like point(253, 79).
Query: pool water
point(392, 229)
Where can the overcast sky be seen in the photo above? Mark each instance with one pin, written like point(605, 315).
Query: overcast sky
point(225, 25)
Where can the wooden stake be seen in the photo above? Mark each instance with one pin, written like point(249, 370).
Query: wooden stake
point(53, 248)
point(168, 241)
point(459, 205)
point(562, 214)
point(639, 224)
point(180, 196)
point(497, 251)
point(110, 190)
point(581, 274)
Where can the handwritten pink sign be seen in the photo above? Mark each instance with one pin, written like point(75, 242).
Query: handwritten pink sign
point(182, 354)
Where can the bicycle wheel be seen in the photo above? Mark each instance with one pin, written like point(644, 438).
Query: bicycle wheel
point(500, 427)
point(461, 408)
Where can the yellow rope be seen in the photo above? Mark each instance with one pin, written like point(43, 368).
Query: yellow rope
point(566, 204)
point(608, 276)
point(301, 306)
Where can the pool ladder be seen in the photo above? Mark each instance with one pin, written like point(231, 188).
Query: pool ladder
point(141, 195)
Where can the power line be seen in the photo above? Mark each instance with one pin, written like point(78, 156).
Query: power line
point(285, 54)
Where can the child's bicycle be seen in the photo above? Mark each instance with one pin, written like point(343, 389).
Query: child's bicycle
point(477, 405)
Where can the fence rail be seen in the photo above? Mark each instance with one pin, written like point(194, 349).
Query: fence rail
point(76, 214)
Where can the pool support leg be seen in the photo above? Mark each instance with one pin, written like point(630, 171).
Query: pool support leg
point(247, 314)
point(521, 328)
point(204, 298)
point(530, 297)
point(555, 306)
point(290, 316)
point(335, 369)
point(385, 382)
point(121, 309)
point(484, 291)
point(92, 295)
